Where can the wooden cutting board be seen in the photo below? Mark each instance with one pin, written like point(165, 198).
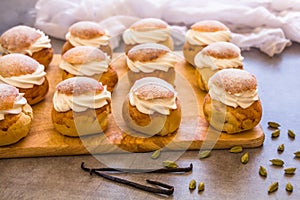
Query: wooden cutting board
point(193, 134)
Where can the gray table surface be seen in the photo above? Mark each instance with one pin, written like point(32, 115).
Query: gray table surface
point(223, 174)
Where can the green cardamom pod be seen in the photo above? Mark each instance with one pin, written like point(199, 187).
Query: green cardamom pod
point(289, 187)
point(204, 154)
point(245, 158)
point(273, 124)
point(277, 162)
point(170, 164)
point(290, 170)
point(291, 134)
point(236, 149)
point(155, 154)
point(280, 148)
point(263, 171)
point(275, 133)
point(273, 187)
point(297, 154)
point(201, 187)
point(192, 184)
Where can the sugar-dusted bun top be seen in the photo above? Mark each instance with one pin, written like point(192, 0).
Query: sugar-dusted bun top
point(147, 24)
point(17, 65)
point(86, 30)
point(234, 81)
point(147, 52)
point(8, 95)
point(209, 26)
point(79, 85)
point(222, 50)
point(153, 91)
point(19, 38)
point(83, 54)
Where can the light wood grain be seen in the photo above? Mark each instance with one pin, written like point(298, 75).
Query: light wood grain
point(193, 134)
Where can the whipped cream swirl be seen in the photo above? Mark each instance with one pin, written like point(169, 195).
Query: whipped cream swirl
point(19, 102)
point(80, 103)
point(85, 69)
point(161, 105)
point(26, 81)
point(164, 63)
point(204, 38)
point(131, 36)
point(201, 61)
point(244, 99)
point(95, 42)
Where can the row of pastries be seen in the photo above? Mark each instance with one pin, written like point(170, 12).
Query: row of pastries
point(82, 100)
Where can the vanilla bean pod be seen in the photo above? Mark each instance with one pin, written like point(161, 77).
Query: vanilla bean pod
point(168, 191)
point(161, 170)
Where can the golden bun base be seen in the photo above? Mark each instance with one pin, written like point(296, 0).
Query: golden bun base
point(44, 56)
point(80, 124)
point(105, 48)
point(109, 78)
point(236, 119)
point(201, 83)
point(37, 93)
point(15, 127)
point(190, 51)
point(168, 76)
point(138, 121)
point(168, 43)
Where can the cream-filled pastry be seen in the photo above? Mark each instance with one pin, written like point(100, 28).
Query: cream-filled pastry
point(81, 107)
point(148, 30)
point(232, 104)
point(15, 115)
point(202, 34)
point(151, 60)
point(89, 62)
point(88, 33)
point(152, 107)
point(215, 57)
point(26, 74)
point(28, 41)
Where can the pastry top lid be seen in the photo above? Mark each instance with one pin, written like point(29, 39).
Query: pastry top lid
point(147, 52)
point(17, 64)
point(153, 91)
point(234, 81)
point(19, 38)
point(151, 88)
point(222, 50)
point(83, 54)
point(148, 24)
point(8, 94)
point(209, 26)
point(86, 30)
point(78, 86)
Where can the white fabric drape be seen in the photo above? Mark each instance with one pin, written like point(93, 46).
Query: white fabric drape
point(269, 25)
